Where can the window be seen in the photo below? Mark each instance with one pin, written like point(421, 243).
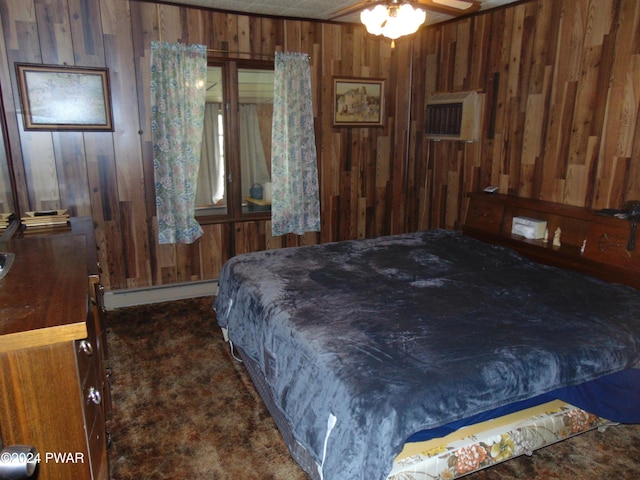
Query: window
point(235, 168)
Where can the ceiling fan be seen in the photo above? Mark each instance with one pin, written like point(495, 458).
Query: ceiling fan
point(396, 18)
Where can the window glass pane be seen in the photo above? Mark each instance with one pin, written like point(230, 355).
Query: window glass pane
point(255, 91)
point(211, 194)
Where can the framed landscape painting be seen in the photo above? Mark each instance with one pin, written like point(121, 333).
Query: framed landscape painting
point(358, 102)
point(56, 97)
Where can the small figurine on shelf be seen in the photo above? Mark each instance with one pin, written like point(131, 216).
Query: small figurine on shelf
point(556, 237)
point(545, 239)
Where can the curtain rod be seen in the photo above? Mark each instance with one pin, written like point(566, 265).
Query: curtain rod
point(267, 55)
point(216, 50)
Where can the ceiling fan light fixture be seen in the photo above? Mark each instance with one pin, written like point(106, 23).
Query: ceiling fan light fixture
point(393, 20)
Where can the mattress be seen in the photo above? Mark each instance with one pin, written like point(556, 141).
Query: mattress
point(364, 343)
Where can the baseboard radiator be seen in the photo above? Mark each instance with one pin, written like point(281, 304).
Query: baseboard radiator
point(164, 293)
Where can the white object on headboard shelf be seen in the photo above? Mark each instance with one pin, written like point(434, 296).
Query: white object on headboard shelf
point(530, 228)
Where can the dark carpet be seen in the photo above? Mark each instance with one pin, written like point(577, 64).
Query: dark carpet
point(184, 409)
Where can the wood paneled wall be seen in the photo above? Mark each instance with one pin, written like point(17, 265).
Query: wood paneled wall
point(562, 91)
point(562, 85)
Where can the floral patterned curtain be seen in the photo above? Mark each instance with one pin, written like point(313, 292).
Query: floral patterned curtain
point(295, 200)
point(178, 88)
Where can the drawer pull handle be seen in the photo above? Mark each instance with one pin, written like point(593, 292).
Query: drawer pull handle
point(101, 297)
point(94, 396)
point(86, 347)
point(604, 243)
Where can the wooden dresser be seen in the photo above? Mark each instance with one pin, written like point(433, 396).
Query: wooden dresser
point(53, 393)
point(589, 242)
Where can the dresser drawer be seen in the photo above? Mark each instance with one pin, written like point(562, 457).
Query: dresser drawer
point(485, 216)
point(93, 399)
point(608, 244)
point(98, 450)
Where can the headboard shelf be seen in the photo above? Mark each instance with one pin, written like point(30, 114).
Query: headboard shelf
point(589, 242)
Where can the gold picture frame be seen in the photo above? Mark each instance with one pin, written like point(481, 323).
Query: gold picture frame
point(56, 97)
point(358, 102)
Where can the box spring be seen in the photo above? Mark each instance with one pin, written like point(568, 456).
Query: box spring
point(466, 450)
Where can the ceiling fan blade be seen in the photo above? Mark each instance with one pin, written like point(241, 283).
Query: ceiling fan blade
point(460, 4)
point(343, 12)
point(451, 7)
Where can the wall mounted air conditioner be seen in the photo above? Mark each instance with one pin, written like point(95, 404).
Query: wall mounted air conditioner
point(455, 116)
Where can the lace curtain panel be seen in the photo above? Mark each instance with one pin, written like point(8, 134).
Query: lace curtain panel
point(178, 74)
point(295, 204)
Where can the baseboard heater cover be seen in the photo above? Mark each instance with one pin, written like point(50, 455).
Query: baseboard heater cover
point(164, 293)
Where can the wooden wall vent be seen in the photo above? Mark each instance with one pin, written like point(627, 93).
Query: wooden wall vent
point(455, 116)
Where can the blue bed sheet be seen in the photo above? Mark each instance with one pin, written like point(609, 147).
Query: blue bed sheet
point(615, 397)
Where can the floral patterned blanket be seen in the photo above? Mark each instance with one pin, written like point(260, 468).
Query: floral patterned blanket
point(365, 342)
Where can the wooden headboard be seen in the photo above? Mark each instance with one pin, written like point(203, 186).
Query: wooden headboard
point(590, 242)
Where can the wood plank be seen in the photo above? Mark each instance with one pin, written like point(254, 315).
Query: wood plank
point(72, 172)
point(183, 262)
point(547, 19)
point(214, 251)
point(84, 17)
point(576, 184)
point(244, 36)
point(586, 97)
point(532, 137)
point(632, 189)
point(462, 57)
point(54, 32)
point(11, 137)
point(170, 23)
point(231, 34)
point(40, 170)
point(516, 52)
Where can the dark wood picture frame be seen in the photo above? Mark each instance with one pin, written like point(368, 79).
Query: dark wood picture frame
point(358, 102)
point(58, 97)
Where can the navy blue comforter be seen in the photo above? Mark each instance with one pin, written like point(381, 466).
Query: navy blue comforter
point(366, 342)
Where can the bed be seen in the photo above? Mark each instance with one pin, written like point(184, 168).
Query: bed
point(364, 349)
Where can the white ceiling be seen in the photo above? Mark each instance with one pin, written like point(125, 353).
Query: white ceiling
point(311, 9)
